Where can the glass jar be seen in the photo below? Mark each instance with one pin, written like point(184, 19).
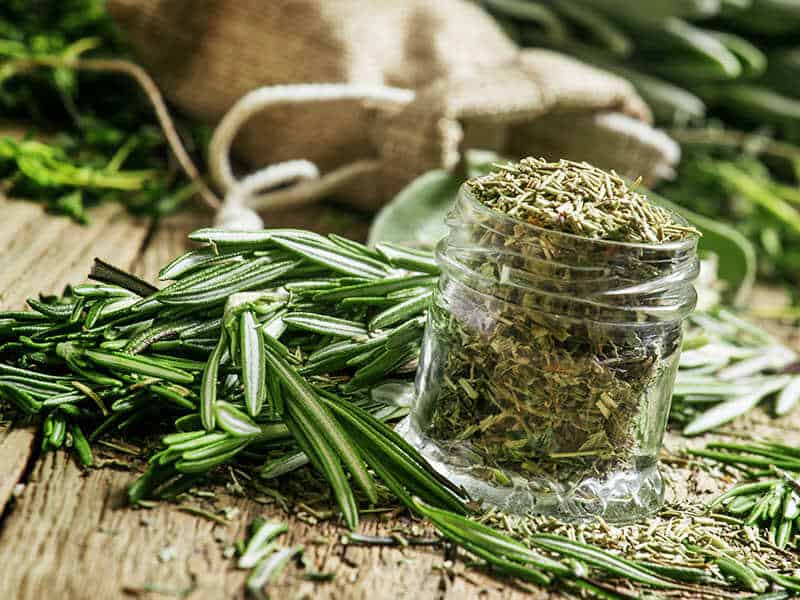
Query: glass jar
point(547, 365)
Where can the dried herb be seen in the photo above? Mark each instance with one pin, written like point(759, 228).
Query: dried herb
point(575, 198)
point(550, 364)
point(685, 542)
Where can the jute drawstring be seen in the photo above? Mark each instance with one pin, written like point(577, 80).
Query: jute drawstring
point(329, 125)
point(243, 197)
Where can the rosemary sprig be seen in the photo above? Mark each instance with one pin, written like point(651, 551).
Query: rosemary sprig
point(513, 558)
point(772, 504)
point(770, 499)
point(764, 454)
point(227, 349)
point(729, 366)
point(264, 557)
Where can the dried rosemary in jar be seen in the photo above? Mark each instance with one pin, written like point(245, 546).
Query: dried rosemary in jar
point(553, 340)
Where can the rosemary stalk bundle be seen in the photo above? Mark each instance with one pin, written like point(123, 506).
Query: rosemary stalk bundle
point(272, 378)
point(773, 504)
point(269, 380)
point(728, 366)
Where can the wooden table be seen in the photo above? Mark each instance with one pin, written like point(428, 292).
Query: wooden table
point(66, 533)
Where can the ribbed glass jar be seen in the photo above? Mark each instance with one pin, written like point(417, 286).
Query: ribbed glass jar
point(548, 363)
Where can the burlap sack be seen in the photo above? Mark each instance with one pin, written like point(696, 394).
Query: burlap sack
point(472, 87)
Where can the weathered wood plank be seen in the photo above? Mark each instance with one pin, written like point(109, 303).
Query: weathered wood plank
point(15, 448)
point(47, 252)
point(78, 536)
point(18, 216)
point(40, 252)
point(69, 534)
point(69, 531)
point(69, 540)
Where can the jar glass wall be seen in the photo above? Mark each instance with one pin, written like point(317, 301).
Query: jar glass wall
point(548, 364)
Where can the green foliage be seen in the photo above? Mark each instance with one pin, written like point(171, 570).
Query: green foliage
point(108, 145)
point(737, 187)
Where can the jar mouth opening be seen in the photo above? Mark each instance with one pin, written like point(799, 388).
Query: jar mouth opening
point(466, 197)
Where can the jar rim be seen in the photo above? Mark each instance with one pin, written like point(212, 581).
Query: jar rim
point(684, 244)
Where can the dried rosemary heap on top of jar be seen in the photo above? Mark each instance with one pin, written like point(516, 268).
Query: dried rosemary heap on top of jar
point(575, 198)
point(554, 335)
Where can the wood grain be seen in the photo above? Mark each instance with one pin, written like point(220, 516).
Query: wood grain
point(39, 252)
point(16, 447)
point(70, 534)
point(43, 253)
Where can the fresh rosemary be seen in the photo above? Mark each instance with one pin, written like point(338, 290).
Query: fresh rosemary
point(729, 366)
point(265, 558)
point(773, 504)
point(272, 379)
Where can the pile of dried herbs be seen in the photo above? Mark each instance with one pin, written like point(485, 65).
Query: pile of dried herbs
point(577, 198)
point(686, 542)
point(548, 370)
